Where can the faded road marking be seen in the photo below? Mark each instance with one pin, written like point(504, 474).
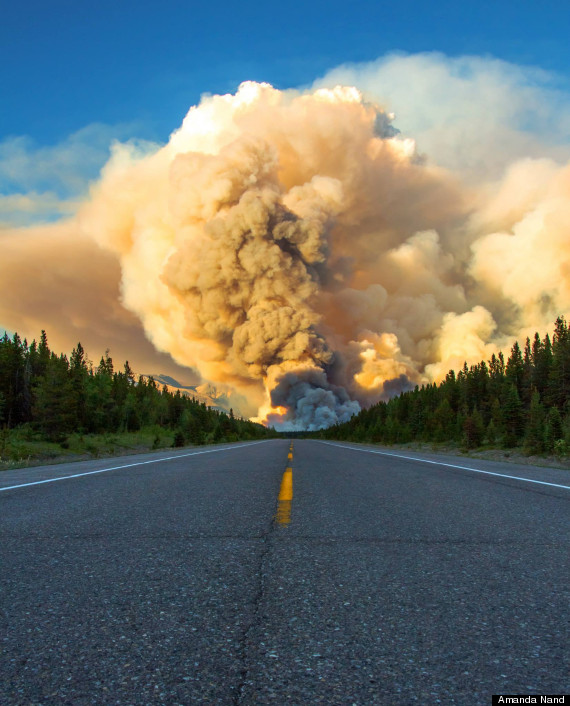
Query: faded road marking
point(285, 498)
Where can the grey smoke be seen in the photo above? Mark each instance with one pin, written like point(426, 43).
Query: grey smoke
point(312, 402)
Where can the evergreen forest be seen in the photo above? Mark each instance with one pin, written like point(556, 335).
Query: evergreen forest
point(521, 402)
point(50, 397)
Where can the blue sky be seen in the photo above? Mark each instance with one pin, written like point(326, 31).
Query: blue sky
point(139, 66)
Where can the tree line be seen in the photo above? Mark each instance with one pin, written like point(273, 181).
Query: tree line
point(523, 401)
point(56, 395)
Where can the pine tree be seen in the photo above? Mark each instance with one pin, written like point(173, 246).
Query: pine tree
point(497, 419)
point(53, 410)
point(512, 416)
point(514, 370)
point(130, 376)
point(559, 380)
point(101, 407)
point(12, 380)
point(443, 422)
point(78, 375)
point(526, 385)
point(534, 433)
point(44, 355)
point(106, 365)
point(491, 433)
point(541, 364)
point(553, 432)
point(130, 420)
point(474, 430)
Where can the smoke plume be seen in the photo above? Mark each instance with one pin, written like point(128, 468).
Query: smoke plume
point(300, 250)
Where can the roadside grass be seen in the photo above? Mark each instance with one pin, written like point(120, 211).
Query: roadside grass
point(23, 447)
point(490, 452)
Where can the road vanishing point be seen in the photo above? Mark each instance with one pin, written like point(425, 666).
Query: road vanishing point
point(281, 572)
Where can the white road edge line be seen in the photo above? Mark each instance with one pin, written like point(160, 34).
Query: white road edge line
point(449, 465)
point(130, 465)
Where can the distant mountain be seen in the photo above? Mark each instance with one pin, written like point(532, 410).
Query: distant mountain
point(206, 392)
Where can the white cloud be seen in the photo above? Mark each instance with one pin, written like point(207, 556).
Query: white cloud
point(472, 114)
point(26, 209)
point(42, 183)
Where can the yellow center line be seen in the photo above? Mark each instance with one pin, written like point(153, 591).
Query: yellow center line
point(286, 491)
point(285, 498)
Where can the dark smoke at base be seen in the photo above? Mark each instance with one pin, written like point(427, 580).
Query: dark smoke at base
point(396, 386)
point(312, 402)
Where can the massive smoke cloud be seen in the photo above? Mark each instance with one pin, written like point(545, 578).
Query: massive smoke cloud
point(297, 248)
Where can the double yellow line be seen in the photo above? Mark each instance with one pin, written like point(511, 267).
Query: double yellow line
point(285, 498)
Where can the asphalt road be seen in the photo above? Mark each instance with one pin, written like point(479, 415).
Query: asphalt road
point(395, 581)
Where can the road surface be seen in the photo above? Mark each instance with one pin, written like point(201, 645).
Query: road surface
point(256, 574)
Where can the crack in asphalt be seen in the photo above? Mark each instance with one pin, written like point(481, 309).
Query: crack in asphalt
point(292, 538)
point(256, 620)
